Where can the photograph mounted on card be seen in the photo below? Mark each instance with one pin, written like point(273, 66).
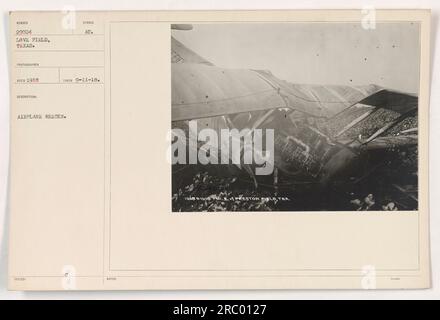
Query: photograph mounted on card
point(156, 150)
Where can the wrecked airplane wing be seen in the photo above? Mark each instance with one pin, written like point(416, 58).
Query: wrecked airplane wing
point(392, 100)
point(181, 54)
point(201, 91)
point(319, 100)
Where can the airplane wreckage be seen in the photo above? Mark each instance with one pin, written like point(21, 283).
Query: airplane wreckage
point(326, 137)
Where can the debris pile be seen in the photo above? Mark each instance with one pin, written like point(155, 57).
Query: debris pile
point(371, 124)
point(407, 124)
point(212, 193)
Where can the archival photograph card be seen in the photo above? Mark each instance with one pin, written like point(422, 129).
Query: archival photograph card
point(219, 150)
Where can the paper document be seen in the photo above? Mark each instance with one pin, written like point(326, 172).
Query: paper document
point(219, 150)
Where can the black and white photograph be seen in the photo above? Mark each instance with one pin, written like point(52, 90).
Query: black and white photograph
point(295, 116)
